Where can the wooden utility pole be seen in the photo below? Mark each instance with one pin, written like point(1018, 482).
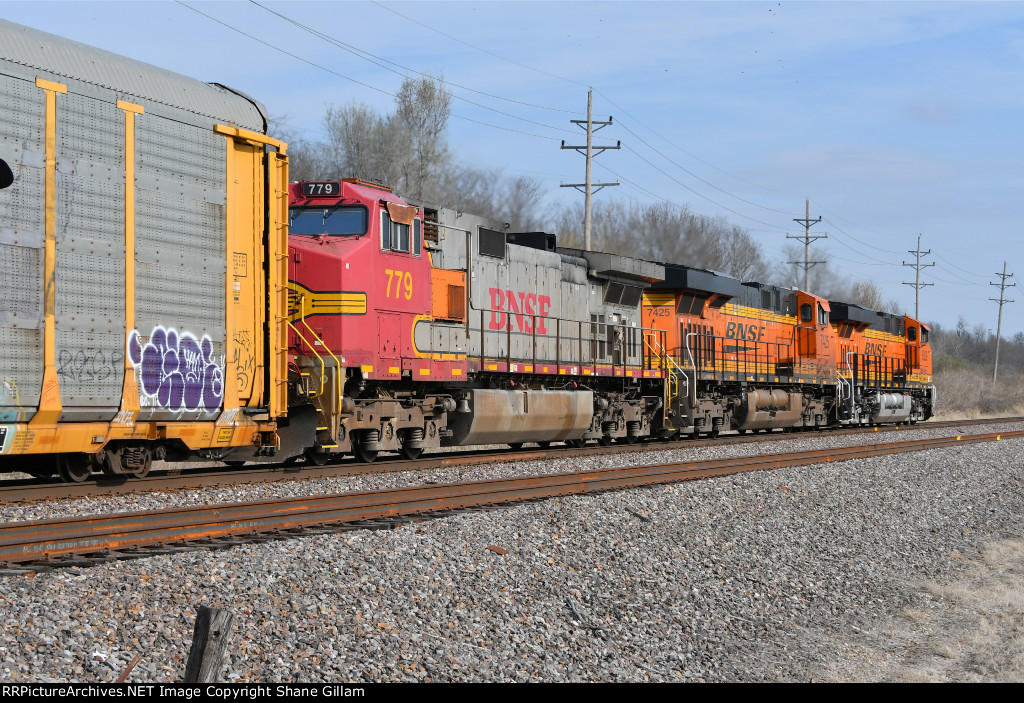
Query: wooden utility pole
point(917, 280)
point(807, 263)
point(1001, 300)
point(589, 188)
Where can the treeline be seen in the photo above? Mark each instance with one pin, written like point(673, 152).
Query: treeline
point(407, 149)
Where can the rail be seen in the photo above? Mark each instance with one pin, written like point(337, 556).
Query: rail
point(28, 542)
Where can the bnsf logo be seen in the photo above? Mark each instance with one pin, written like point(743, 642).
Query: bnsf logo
point(874, 349)
point(750, 333)
point(521, 305)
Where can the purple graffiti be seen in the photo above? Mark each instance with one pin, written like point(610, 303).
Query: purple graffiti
point(176, 372)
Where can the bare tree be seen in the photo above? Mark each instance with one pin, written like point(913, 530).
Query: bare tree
point(662, 232)
point(418, 126)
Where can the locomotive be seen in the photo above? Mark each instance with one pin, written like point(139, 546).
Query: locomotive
point(167, 294)
point(414, 328)
point(754, 356)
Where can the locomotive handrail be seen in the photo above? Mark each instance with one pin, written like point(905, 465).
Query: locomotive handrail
point(323, 371)
point(662, 352)
point(689, 353)
point(312, 348)
point(337, 362)
point(740, 358)
point(582, 359)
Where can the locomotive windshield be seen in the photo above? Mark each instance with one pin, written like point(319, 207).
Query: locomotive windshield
point(332, 221)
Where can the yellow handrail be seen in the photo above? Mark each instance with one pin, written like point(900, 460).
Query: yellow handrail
point(336, 361)
point(321, 359)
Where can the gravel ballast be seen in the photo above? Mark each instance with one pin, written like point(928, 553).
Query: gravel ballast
point(789, 575)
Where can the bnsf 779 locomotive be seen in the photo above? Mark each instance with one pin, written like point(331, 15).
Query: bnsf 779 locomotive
point(414, 328)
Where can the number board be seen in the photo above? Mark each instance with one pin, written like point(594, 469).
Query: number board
point(322, 188)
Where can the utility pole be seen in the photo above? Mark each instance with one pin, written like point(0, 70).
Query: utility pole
point(807, 264)
point(588, 151)
point(1002, 299)
point(917, 281)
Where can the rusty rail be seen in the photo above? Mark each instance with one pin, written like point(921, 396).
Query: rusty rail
point(21, 490)
point(28, 542)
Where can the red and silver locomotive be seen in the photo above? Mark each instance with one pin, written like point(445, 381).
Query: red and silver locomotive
point(417, 327)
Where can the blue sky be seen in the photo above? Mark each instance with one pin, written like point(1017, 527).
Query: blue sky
point(895, 119)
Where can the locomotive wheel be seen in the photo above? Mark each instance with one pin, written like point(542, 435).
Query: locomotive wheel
point(604, 441)
point(742, 431)
point(714, 433)
point(74, 468)
point(234, 464)
point(409, 453)
point(366, 456)
point(314, 457)
point(627, 439)
point(577, 443)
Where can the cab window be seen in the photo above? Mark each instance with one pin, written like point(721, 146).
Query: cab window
point(912, 334)
point(332, 221)
point(806, 312)
point(394, 235)
point(822, 315)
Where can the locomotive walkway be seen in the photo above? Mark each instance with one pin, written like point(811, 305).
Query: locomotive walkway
point(79, 541)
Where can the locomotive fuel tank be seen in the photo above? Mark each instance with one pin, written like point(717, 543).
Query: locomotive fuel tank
point(510, 417)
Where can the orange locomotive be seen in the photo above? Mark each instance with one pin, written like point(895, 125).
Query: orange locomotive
point(752, 356)
point(887, 361)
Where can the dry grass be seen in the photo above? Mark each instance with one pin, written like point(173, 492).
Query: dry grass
point(967, 393)
point(972, 629)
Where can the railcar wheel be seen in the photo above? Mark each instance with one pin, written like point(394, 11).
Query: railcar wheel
point(74, 468)
point(741, 431)
point(234, 464)
point(143, 470)
point(516, 445)
point(576, 443)
point(543, 445)
point(314, 457)
point(410, 453)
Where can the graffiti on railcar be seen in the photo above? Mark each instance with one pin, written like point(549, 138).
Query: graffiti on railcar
point(176, 371)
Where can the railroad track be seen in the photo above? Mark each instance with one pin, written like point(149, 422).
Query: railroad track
point(87, 540)
point(23, 490)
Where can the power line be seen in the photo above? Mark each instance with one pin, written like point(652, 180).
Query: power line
point(588, 152)
point(477, 48)
point(367, 85)
point(1002, 300)
point(917, 285)
point(807, 222)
